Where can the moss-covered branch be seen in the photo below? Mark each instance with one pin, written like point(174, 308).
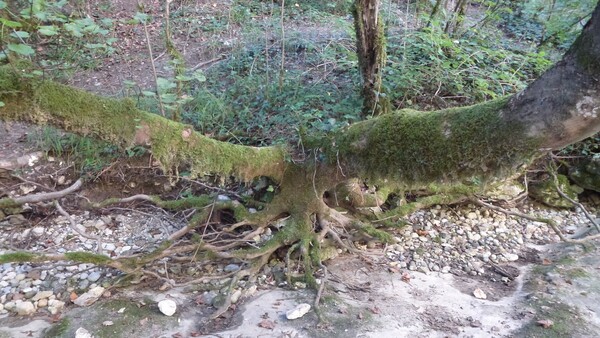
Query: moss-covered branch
point(467, 144)
point(173, 144)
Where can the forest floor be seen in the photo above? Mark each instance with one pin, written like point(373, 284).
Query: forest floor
point(455, 271)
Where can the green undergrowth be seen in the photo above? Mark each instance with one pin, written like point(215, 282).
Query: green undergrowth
point(88, 154)
point(428, 69)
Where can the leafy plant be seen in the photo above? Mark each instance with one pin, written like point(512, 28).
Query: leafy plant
point(428, 69)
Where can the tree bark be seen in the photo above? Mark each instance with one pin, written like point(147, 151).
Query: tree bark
point(370, 48)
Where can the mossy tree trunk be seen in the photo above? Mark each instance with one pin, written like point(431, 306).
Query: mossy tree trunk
point(455, 151)
point(370, 48)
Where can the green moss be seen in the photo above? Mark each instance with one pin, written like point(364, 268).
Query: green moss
point(587, 174)
point(15, 257)
point(118, 121)
point(546, 192)
point(87, 257)
point(185, 203)
point(376, 233)
point(576, 273)
point(7, 203)
point(59, 329)
point(563, 318)
point(448, 146)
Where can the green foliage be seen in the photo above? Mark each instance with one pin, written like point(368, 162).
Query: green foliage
point(543, 22)
point(242, 100)
point(89, 155)
point(66, 37)
point(428, 69)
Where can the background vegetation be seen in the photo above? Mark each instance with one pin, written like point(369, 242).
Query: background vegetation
point(286, 66)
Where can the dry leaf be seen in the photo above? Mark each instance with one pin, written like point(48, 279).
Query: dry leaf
point(199, 300)
point(405, 277)
point(546, 261)
point(73, 296)
point(421, 232)
point(267, 324)
point(195, 334)
point(375, 310)
point(545, 323)
point(55, 318)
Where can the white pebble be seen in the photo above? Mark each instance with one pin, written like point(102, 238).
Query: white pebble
point(167, 307)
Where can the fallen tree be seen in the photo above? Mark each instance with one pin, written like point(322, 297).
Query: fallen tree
point(453, 153)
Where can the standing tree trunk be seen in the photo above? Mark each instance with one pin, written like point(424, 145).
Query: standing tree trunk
point(370, 48)
point(434, 12)
point(457, 17)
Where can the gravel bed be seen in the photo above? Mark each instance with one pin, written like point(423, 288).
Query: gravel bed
point(462, 240)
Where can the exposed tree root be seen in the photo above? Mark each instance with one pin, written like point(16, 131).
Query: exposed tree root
point(41, 197)
point(298, 224)
point(551, 223)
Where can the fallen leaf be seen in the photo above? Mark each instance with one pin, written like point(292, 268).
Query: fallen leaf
point(545, 323)
point(546, 261)
point(421, 232)
point(121, 310)
point(375, 310)
point(55, 318)
point(405, 277)
point(195, 334)
point(73, 296)
point(267, 324)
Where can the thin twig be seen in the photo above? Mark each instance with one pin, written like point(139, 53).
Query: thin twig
point(548, 221)
point(574, 202)
point(76, 229)
point(160, 103)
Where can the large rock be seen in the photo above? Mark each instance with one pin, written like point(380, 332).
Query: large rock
point(545, 192)
point(587, 174)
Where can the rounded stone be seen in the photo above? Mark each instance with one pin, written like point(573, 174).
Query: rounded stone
point(167, 307)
